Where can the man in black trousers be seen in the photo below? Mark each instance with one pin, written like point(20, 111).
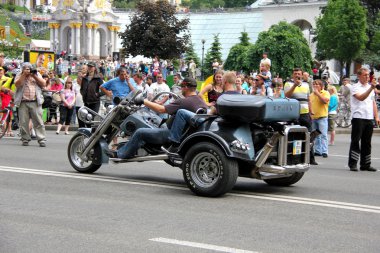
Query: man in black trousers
point(364, 111)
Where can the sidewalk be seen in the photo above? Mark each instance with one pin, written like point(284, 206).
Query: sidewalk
point(338, 130)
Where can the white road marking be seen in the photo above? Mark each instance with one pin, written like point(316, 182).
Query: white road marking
point(200, 245)
point(272, 197)
point(346, 156)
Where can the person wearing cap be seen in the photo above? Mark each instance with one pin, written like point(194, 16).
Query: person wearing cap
point(159, 136)
point(90, 86)
point(185, 117)
point(29, 100)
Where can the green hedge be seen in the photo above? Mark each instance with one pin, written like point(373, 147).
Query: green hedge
point(14, 8)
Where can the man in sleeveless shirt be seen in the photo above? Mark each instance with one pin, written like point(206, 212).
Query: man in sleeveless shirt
point(300, 90)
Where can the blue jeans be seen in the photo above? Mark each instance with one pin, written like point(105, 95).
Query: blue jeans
point(321, 143)
point(142, 136)
point(164, 72)
point(182, 119)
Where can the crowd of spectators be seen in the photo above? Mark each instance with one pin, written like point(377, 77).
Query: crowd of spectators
point(93, 80)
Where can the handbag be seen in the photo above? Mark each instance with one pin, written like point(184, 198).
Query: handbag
point(57, 98)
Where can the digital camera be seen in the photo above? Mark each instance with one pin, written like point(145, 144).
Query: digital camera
point(33, 71)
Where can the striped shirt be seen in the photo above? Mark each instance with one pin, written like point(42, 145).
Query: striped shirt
point(301, 93)
point(29, 89)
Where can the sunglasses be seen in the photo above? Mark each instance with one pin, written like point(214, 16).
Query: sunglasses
point(69, 82)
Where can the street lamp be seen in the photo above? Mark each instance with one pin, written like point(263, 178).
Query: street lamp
point(203, 52)
point(108, 46)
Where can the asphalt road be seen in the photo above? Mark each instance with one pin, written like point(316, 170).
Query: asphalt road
point(45, 206)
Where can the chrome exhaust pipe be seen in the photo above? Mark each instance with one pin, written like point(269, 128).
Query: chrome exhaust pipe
point(263, 154)
point(141, 159)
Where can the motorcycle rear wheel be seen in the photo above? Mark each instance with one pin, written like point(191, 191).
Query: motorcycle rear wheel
point(76, 146)
point(208, 171)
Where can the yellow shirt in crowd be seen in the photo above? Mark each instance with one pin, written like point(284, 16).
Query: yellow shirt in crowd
point(319, 108)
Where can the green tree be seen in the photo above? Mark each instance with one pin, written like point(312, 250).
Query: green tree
point(123, 4)
point(155, 31)
point(287, 49)
point(237, 55)
point(375, 43)
point(373, 9)
point(197, 4)
point(371, 55)
point(191, 55)
point(237, 3)
point(341, 31)
point(213, 53)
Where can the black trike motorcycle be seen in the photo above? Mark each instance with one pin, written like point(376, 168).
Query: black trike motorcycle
point(252, 136)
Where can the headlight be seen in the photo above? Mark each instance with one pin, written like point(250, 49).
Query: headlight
point(89, 117)
point(84, 115)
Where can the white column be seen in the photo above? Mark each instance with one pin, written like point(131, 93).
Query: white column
point(93, 41)
point(72, 40)
point(88, 44)
point(77, 39)
point(51, 38)
point(57, 38)
point(114, 44)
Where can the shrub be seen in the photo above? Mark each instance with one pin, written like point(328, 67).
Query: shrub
point(11, 7)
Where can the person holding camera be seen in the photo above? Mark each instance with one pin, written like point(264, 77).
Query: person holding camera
point(300, 91)
point(29, 99)
point(363, 111)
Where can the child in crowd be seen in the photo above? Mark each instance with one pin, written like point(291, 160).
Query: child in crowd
point(265, 74)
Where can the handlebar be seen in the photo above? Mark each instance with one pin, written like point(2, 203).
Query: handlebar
point(163, 93)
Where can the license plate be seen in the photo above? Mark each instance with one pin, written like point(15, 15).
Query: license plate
point(297, 147)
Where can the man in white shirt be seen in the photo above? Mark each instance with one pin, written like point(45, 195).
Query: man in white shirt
point(363, 111)
point(140, 85)
point(157, 87)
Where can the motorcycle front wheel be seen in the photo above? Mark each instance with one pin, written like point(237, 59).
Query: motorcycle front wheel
point(75, 148)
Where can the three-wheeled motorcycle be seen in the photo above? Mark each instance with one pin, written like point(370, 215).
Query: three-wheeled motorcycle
point(251, 136)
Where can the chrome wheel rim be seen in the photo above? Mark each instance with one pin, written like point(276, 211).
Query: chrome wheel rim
point(206, 169)
point(77, 147)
